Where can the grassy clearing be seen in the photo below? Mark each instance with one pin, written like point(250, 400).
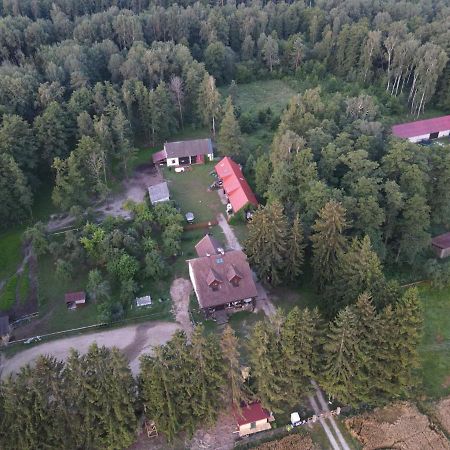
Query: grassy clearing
point(262, 94)
point(8, 295)
point(10, 243)
point(190, 191)
point(24, 285)
point(435, 348)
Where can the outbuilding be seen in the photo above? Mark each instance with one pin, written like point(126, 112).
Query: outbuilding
point(441, 245)
point(252, 418)
point(421, 130)
point(159, 193)
point(183, 153)
point(75, 299)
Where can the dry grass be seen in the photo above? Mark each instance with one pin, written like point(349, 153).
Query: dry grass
point(292, 442)
point(397, 426)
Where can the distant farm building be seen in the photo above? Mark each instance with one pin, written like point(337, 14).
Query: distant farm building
point(159, 193)
point(75, 299)
point(252, 418)
point(222, 280)
point(423, 129)
point(143, 301)
point(5, 330)
point(235, 186)
point(182, 153)
point(441, 245)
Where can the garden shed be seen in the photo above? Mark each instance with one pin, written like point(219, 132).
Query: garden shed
point(441, 245)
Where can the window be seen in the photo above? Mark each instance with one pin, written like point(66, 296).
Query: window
point(173, 161)
point(253, 425)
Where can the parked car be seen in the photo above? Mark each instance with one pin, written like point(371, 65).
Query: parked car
point(190, 217)
point(426, 142)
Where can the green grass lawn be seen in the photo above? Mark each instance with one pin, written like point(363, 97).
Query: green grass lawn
point(10, 243)
point(435, 348)
point(262, 94)
point(190, 191)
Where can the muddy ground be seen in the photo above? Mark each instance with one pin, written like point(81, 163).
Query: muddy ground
point(180, 291)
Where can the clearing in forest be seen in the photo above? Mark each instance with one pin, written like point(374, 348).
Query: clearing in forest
point(260, 95)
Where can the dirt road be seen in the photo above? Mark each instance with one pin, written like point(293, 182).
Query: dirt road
point(134, 341)
point(180, 291)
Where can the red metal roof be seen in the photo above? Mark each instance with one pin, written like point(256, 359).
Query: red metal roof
point(250, 413)
point(235, 185)
point(421, 127)
point(71, 297)
point(441, 241)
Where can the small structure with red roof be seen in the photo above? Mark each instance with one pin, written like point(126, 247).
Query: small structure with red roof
point(420, 130)
point(75, 299)
point(252, 418)
point(235, 186)
point(441, 245)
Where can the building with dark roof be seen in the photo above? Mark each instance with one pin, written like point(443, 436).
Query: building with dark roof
point(235, 185)
point(441, 245)
point(252, 418)
point(183, 153)
point(222, 280)
point(159, 193)
point(420, 130)
point(75, 299)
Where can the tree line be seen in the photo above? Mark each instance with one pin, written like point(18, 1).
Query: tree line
point(91, 401)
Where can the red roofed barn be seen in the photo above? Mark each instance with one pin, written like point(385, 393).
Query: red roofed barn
point(423, 129)
point(441, 245)
point(252, 418)
point(235, 185)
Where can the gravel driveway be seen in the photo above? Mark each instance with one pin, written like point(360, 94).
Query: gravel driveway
point(134, 341)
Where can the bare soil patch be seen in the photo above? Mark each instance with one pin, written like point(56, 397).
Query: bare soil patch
point(180, 292)
point(443, 413)
point(292, 442)
point(397, 426)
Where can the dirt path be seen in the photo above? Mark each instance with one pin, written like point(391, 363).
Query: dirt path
point(180, 292)
point(232, 241)
point(134, 341)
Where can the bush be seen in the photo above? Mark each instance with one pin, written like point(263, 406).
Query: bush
point(8, 296)
point(248, 122)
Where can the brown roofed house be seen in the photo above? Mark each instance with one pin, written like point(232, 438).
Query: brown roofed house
point(441, 245)
point(207, 246)
point(222, 280)
point(181, 153)
point(75, 299)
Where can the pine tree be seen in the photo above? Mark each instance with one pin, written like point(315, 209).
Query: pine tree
point(300, 340)
point(328, 242)
point(208, 378)
point(266, 364)
point(236, 391)
point(230, 139)
point(267, 242)
point(406, 334)
point(342, 356)
point(296, 252)
point(359, 270)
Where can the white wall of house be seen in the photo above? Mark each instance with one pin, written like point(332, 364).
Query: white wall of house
point(172, 162)
point(259, 425)
point(419, 138)
point(444, 133)
point(210, 156)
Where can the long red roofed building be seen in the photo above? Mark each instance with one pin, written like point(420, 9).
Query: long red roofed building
point(423, 129)
point(235, 185)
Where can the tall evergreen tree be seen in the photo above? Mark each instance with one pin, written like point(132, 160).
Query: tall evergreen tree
point(296, 252)
point(328, 242)
point(267, 242)
point(235, 389)
point(266, 364)
point(209, 102)
point(229, 138)
point(342, 356)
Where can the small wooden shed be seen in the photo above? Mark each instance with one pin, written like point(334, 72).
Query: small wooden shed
point(252, 418)
point(75, 299)
point(441, 245)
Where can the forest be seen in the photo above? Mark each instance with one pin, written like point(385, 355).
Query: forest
point(346, 208)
